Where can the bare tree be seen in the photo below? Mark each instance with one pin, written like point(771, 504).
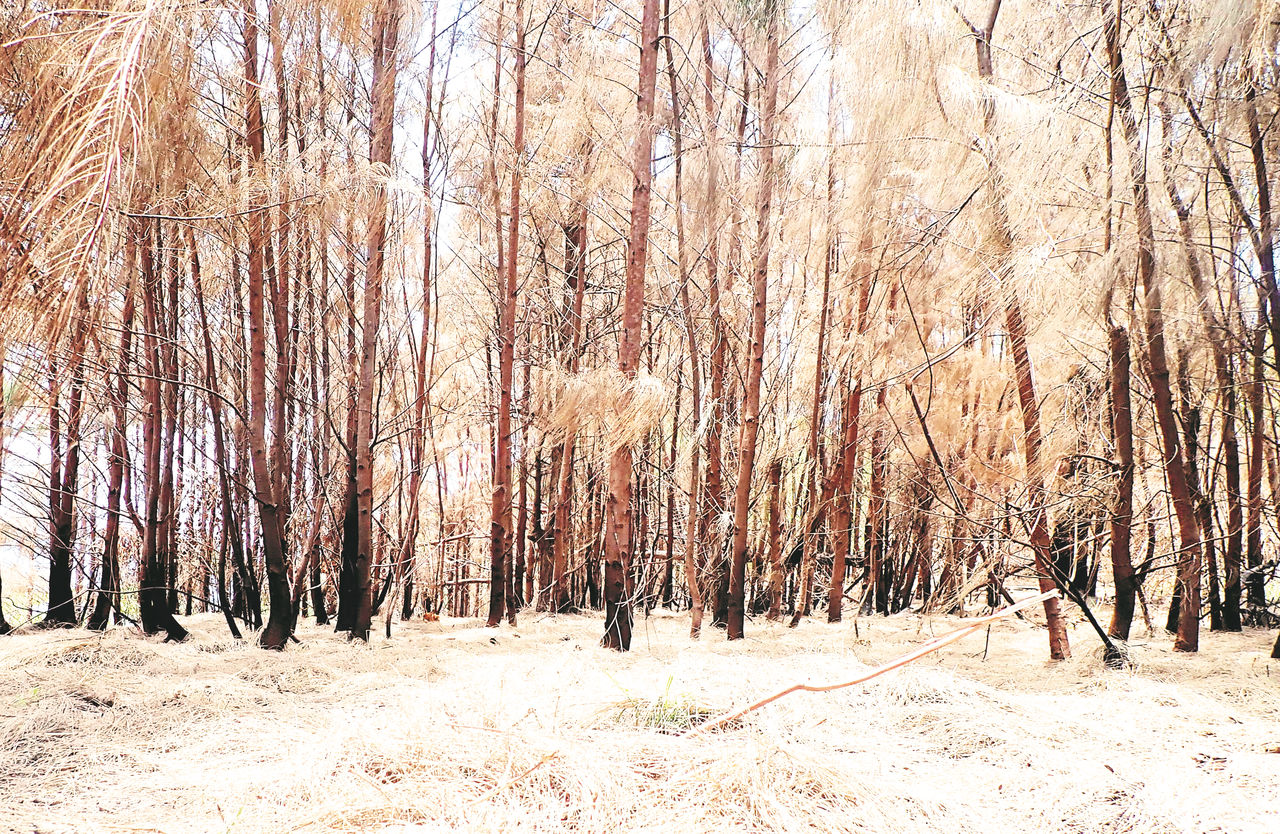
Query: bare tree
point(618, 534)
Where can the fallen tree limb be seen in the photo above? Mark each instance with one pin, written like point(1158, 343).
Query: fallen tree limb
point(932, 646)
point(508, 783)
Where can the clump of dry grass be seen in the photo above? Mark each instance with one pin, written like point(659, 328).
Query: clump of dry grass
point(456, 727)
point(673, 713)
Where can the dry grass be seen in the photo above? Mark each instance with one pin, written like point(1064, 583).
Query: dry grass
point(453, 726)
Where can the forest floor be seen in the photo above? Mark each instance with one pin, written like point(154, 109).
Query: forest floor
point(452, 726)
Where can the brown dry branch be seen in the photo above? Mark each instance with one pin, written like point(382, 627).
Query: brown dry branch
point(926, 649)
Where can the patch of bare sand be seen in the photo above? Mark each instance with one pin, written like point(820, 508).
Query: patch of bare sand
point(452, 726)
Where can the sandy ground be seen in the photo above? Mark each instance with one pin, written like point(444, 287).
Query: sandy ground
point(451, 726)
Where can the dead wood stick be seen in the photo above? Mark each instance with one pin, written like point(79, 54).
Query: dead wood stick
point(508, 783)
point(911, 657)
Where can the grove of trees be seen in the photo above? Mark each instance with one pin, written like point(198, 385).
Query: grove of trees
point(357, 309)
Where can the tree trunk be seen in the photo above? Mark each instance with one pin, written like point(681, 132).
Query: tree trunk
point(109, 584)
point(276, 633)
point(516, 553)
point(1122, 511)
point(618, 528)
point(1253, 501)
point(230, 524)
point(1189, 419)
point(668, 572)
point(1059, 648)
point(152, 599)
point(1174, 463)
point(777, 565)
point(575, 257)
point(5, 628)
point(841, 510)
point(693, 517)
point(501, 523)
point(751, 405)
point(385, 67)
point(65, 480)
point(877, 594)
point(713, 492)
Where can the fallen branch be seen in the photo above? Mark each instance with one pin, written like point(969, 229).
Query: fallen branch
point(911, 657)
point(504, 785)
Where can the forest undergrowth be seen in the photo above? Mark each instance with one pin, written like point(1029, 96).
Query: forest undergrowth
point(452, 726)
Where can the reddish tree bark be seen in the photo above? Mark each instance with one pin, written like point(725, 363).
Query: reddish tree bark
point(755, 370)
point(65, 477)
point(693, 517)
point(713, 492)
point(152, 600)
point(1219, 335)
point(841, 510)
point(385, 68)
point(5, 628)
point(108, 597)
point(276, 633)
point(1122, 511)
point(230, 524)
point(773, 540)
point(618, 527)
point(1157, 359)
point(1059, 647)
point(417, 443)
point(500, 524)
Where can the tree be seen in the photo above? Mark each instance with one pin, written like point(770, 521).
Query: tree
point(276, 633)
point(501, 523)
point(385, 67)
point(1001, 243)
point(760, 288)
point(1175, 463)
point(618, 535)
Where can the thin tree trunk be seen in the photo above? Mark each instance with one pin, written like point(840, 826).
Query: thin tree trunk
point(501, 523)
point(713, 492)
point(230, 524)
point(693, 517)
point(276, 633)
point(1059, 647)
point(841, 511)
point(417, 443)
point(516, 558)
point(1253, 501)
point(65, 480)
point(575, 244)
point(1122, 512)
point(755, 371)
point(5, 628)
point(777, 565)
point(618, 529)
point(109, 585)
point(152, 599)
point(385, 68)
point(1174, 463)
point(668, 575)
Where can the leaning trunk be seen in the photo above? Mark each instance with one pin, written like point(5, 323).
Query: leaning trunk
point(1157, 360)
